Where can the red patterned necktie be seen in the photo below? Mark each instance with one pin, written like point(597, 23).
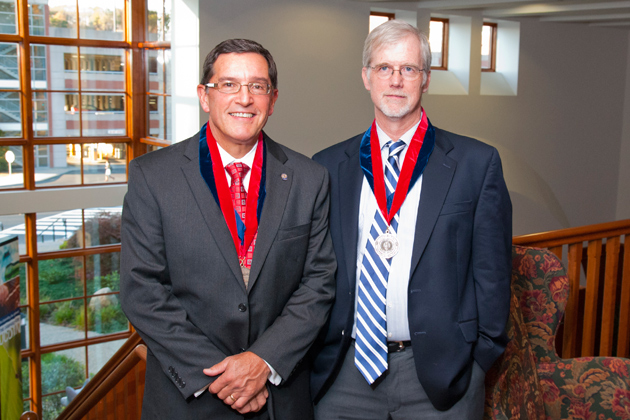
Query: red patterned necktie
point(237, 171)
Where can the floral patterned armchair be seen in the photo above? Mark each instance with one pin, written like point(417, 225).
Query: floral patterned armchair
point(530, 381)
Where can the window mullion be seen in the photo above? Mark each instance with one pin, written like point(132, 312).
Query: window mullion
point(33, 301)
point(136, 79)
point(27, 96)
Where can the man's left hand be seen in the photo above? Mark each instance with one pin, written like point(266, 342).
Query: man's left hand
point(241, 379)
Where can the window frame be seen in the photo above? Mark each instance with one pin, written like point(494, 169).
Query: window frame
point(445, 31)
point(493, 47)
point(388, 15)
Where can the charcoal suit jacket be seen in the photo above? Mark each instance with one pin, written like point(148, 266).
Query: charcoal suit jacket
point(459, 284)
point(182, 287)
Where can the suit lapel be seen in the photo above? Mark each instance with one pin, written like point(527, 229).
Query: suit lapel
point(277, 189)
point(436, 181)
point(210, 211)
point(350, 182)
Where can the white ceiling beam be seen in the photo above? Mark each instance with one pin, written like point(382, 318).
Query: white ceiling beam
point(539, 9)
point(466, 4)
point(586, 18)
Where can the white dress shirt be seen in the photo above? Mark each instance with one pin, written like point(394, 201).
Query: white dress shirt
point(398, 281)
point(248, 160)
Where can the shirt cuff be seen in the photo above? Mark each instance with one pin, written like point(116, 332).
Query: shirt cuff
point(198, 393)
point(274, 378)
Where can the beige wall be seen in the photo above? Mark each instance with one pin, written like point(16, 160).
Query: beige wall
point(623, 194)
point(565, 123)
point(317, 47)
point(560, 137)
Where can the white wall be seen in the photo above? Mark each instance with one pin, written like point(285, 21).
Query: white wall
point(560, 137)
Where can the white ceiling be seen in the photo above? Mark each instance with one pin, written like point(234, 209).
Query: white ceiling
point(615, 13)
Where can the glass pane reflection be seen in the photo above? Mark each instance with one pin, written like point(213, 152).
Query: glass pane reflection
point(60, 278)
point(8, 23)
point(14, 224)
point(102, 20)
point(102, 273)
point(57, 164)
point(102, 227)
point(436, 33)
point(99, 354)
point(101, 68)
point(103, 115)
point(11, 167)
point(61, 322)
point(59, 230)
point(59, 21)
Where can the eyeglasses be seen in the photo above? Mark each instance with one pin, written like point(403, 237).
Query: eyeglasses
point(385, 71)
point(254, 88)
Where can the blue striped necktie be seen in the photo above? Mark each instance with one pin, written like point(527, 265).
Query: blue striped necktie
point(370, 355)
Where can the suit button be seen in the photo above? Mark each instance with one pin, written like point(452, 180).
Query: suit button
point(242, 350)
point(183, 384)
point(242, 307)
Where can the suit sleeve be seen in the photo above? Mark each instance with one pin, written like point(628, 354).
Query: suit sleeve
point(492, 256)
point(286, 341)
point(180, 347)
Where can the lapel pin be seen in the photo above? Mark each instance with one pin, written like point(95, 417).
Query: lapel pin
point(284, 177)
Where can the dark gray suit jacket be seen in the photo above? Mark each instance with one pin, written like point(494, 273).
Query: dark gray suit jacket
point(182, 287)
point(459, 286)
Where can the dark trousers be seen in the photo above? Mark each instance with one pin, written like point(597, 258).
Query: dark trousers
point(398, 395)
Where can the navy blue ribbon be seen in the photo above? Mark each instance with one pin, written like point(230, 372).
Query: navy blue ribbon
point(205, 167)
point(365, 155)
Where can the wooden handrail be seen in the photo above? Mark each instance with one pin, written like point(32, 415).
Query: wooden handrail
point(572, 235)
point(597, 313)
point(124, 360)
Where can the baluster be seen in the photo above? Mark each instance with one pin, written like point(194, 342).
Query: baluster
point(610, 296)
point(623, 340)
point(570, 344)
point(592, 294)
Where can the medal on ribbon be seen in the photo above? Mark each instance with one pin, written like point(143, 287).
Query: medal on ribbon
point(213, 172)
point(386, 245)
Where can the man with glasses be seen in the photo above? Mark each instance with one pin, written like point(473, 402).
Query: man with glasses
point(421, 224)
point(227, 263)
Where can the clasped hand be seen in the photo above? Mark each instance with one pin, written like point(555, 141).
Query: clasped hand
point(241, 382)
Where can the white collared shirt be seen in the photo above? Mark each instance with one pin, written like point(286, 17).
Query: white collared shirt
point(398, 282)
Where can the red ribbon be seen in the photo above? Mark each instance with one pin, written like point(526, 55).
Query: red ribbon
point(402, 188)
point(225, 198)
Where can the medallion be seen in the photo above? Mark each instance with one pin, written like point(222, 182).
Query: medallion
point(386, 245)
point(245, 272)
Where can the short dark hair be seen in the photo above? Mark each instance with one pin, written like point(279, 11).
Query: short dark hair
point(238, 46)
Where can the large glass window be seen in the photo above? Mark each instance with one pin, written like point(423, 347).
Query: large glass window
point(68, 118)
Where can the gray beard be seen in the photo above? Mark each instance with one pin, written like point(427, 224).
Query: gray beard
point(390, 113)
